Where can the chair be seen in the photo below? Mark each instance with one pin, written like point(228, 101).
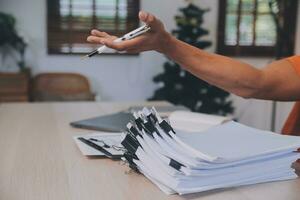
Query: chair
point(292, 124)
point(61, 87)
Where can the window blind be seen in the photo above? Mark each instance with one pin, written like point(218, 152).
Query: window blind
point(70, 21)
point(247, 27)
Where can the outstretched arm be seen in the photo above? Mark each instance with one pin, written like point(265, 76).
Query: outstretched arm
point(277, 81)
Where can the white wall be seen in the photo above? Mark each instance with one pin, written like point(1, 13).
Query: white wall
point(124, 78)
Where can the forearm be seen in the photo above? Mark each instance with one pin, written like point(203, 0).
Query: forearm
point(229, 74)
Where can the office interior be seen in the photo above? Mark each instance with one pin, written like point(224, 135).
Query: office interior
point(129, 78)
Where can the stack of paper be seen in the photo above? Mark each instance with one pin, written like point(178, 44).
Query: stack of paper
point(226, 155)
point(194, 122)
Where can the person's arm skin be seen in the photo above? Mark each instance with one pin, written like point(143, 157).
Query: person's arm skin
point(276, 81)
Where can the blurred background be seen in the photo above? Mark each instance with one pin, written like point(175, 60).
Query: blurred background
point(41, 42)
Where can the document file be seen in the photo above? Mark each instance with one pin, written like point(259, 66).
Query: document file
point(226, 155)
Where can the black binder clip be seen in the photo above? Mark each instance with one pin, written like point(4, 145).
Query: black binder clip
point(164, 125)
point(129, 158)
point(175, 164)
point(138, 121)
point(150, 116)
point(131, 144)
point(134, 130)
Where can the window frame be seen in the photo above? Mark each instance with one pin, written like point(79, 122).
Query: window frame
point(252, 50)
point(53, 18)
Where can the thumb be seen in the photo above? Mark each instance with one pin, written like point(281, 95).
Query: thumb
point(149, 19)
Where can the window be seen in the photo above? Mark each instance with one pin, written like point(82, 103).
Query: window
point(247, 27)
point(70, 21)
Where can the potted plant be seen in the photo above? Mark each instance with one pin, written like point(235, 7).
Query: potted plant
point(13, 86)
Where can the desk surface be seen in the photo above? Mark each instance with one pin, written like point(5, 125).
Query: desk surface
point(39, 161)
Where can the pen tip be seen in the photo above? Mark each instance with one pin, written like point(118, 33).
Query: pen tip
point(84, 57)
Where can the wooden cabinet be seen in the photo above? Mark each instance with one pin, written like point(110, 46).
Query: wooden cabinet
point(14, 87)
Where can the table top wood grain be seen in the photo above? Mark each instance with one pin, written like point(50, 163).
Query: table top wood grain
point(40, 161)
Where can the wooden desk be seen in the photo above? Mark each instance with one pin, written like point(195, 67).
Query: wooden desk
point(39, 161)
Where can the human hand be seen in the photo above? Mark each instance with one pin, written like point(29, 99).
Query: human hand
point(156, 39)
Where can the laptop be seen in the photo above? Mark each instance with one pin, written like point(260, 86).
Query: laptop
point(112, 123)
point(117, 122)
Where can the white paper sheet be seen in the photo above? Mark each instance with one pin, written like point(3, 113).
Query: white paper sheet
point(233, 141)
point(194, 122)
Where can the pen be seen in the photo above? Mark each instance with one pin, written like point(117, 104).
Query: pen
point(99, 148)
point(137, 32)
point(104, 145)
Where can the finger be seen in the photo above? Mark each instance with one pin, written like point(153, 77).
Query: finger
point(148, 18)
point(95, 39)
point(95, 32)
point(116, 46)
